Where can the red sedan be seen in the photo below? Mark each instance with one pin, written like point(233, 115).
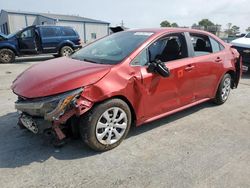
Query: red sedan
point(128, 78)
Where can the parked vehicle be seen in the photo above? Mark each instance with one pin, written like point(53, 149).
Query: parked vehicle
point(243, 46)
point(128, 78)
point(33, 40)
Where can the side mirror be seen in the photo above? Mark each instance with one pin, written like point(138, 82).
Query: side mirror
point(159, 67)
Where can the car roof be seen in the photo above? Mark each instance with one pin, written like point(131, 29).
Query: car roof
point(165, 30)
point(170, 29)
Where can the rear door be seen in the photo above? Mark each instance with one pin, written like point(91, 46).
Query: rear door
point(51, 38)
point(160, 94)
point(208, 57)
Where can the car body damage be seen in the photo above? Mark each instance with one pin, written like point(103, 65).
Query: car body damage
point(57, 76)
point(124, 79)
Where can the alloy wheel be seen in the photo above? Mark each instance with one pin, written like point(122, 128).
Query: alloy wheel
point(111, 126)
point(5, 56)
point(226, 89)
point(67, 52)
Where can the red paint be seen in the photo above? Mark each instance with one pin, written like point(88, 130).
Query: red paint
point(57, 76)
point(192, 80)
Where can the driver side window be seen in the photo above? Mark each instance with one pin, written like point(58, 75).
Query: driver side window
point(27, 34)
point(168, 48)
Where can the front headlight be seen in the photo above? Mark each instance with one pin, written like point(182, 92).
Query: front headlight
point(49, 107)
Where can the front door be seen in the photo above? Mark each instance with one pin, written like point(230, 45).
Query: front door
point(162, 95)
point(27, 41)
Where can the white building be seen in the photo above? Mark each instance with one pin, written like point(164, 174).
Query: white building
point(88, 29)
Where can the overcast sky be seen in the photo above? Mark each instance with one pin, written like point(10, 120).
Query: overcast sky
point(143, 13)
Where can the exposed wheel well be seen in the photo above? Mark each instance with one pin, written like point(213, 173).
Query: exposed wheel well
point(232, 74)
point(10, 49)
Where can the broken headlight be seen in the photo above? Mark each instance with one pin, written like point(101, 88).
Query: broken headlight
point(52, 107)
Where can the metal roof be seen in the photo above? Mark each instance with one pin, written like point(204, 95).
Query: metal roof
point(60, 17)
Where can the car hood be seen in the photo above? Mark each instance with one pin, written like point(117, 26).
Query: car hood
point(57, 76)
point(241, 42)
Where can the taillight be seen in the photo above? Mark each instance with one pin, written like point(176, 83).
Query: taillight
point(80, 42)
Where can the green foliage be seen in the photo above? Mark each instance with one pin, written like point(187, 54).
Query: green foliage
point(165, 23)
point(232, 30)
point(235, 30)
point(205, 23)
point(174, 25)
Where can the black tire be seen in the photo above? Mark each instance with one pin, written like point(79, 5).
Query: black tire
point(88, 124)
point(7, 56)
point(56, 55)
point(219, 99)
point(74, 127)
point(66, 51)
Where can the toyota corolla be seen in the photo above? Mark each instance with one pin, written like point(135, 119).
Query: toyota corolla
point(128, 78)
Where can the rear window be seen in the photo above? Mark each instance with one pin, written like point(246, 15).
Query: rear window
point(248, 35)
point(68, 32)
point(216, 46)
point(50, 31)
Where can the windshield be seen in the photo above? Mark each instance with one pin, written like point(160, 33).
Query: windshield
point(12, 34)
point(112, 49)
point(248, 35)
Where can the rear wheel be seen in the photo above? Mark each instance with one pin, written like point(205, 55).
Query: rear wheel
point(106, 125)
point(66, 51)
point(7, 56)
point(223, 90)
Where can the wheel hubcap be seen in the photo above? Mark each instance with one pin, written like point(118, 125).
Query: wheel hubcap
point(111, 126)
point(67, 52)
point(226, 88)
point(5, 56)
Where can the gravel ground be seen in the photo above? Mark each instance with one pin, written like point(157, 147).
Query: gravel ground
point(204, 146)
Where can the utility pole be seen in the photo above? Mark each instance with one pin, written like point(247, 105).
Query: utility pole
point(122, 23)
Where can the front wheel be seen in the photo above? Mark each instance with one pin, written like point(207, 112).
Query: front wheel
point(7, 56)
point(223, 90)
point(106, 125)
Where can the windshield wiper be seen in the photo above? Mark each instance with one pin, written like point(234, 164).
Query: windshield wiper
point(89, 60)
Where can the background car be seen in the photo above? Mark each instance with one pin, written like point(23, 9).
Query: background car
point(128, 78)
point(243, 46)
point(34, 40)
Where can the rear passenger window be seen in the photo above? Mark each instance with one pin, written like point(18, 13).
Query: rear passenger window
point(50, 31)
point(68, 32)
point(201, 44)
point(216, 46)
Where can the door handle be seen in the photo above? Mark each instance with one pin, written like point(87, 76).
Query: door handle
point(189, 68)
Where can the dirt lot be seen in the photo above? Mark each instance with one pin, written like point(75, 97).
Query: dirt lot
point(205, 146)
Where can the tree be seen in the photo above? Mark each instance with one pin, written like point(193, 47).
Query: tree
point(235, 30)
point(195, 25)
point(165, 23)
point(248, 29)
point(205, 23)
point(232, 30)
point(229, 29)
point(174, 25)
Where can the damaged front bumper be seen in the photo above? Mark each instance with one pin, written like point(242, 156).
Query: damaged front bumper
point(51, 112)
